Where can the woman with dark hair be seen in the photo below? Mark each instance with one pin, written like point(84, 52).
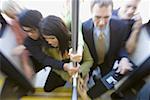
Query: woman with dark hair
point(47, 28)
point(29, 21)
point(55, 32)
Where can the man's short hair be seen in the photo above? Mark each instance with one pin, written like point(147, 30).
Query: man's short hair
point(30, 18)
point(101, 3)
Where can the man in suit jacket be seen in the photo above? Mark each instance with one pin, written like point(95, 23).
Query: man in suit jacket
point(115, 32)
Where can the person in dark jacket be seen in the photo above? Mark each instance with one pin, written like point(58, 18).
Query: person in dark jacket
point(114, 33)
point(29, 21)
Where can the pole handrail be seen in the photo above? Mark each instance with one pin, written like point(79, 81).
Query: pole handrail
point(74, 30)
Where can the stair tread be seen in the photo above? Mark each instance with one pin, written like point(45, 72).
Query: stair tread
point(52, 94)
point(47, 98)
point(60, 89)
point(61, 93)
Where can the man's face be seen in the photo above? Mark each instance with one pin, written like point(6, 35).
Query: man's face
point(130, 7)
point(101, 15)
point(32, 33)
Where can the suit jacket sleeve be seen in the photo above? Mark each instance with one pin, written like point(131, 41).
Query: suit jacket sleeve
point(126, 29)
point(35, 49)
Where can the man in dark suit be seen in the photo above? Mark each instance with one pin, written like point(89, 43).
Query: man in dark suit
point(114, 33)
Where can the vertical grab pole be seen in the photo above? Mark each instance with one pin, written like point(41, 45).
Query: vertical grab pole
point(74, 30)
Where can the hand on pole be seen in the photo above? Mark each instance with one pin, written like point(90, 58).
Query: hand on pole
point(71, 69)
point(77, 57)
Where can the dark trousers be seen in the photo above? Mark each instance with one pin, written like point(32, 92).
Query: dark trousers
point(53, 81)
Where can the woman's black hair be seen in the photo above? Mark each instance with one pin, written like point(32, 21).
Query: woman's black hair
point(53, 25)
point(30, 18)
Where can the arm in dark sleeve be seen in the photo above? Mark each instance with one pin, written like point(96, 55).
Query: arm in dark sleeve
point(35, 49)
point(123, 53)
point(126, 29)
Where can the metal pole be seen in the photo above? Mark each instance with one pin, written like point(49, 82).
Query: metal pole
point(74, 29)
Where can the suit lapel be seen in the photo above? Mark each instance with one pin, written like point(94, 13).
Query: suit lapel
point(112, 42)
point(91, 38)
